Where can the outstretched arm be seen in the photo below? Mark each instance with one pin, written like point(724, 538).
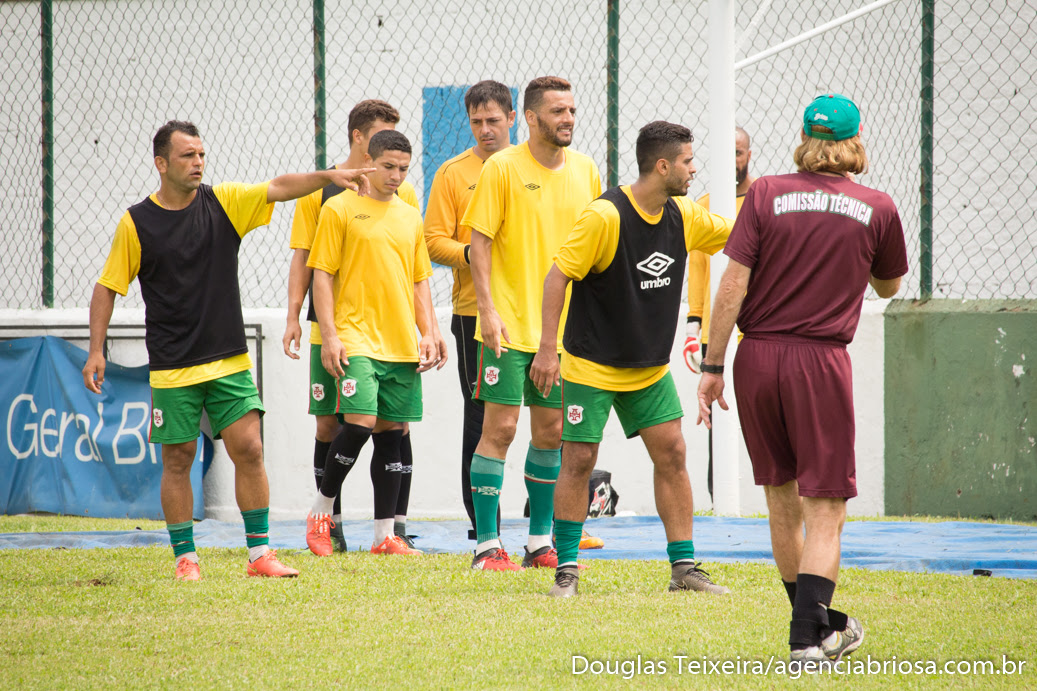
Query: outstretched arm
point(290, 186)
point(101, 306)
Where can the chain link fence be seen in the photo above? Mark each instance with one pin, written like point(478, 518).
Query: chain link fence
point(244, 72)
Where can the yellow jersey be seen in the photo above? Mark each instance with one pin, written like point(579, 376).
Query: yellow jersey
point(376, 252)
point(446, 238)
point(304, 227)
point(527, 210)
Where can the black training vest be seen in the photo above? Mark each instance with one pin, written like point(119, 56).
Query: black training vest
point(330, 190)
point(189, 281)
point(626, 316)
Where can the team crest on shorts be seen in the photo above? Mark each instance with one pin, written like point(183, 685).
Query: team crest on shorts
point(156, 417)
point(348, 387)
point(492, 375)
point(575, 414)
point(318, 392)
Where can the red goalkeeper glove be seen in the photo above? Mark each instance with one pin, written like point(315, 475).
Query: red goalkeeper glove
point(692, 347)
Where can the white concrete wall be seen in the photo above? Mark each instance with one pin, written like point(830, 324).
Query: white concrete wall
point(437, 439)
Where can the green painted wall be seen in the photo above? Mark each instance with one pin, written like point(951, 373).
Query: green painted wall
point(961, 408)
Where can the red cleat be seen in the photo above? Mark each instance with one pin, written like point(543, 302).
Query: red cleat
point(318, 534)
point(495, 559)
point(268, 565)
point(187, 570)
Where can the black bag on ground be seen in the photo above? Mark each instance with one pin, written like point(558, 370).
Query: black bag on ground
point(603, 496)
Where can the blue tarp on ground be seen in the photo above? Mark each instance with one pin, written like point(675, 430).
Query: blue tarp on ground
point(950, 547)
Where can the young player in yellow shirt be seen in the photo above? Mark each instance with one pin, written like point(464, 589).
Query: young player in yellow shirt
point(366, 119)
point(370, 286)
point(625, 257)
point(526, 200)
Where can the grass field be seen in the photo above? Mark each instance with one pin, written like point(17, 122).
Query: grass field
point(115, 618)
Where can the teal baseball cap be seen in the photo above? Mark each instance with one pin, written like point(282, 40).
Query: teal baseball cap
point(837, 113)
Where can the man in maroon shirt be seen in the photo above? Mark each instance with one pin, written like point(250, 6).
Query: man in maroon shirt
point(803, 250)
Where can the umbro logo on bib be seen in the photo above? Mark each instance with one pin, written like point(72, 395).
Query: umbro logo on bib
point(532, 186)
point(655, 265)
point(361, 217)
point(472, 186)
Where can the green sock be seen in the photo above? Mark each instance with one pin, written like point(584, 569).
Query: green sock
point(680, 550)
point(257, 526)
point(542, 466)
point(487, 479)
point(567, 540)
point(181, 536)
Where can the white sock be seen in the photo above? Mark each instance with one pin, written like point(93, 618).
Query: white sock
point(382, 529)
point(323, 505)
point(538, 541)
point(489, 544)
point(337, 519)
point(258, 551)
point(400, 521)
point(193, 556)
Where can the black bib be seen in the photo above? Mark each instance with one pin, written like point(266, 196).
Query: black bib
point(626, 316)
point(189, 281)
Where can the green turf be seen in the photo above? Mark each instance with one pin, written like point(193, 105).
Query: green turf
point(114, 618)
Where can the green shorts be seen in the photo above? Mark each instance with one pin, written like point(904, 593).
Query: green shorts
point(322, 386)
point(175, 413)
point(505, 380)
point(388, 390)
point(587, 409)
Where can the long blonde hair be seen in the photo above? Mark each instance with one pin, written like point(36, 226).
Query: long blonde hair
point(826, 156)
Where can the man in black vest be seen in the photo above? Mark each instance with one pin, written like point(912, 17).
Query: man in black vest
point(181, 243)
point(626, 256)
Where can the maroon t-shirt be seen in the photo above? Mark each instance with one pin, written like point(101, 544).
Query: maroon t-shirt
point(811, 241)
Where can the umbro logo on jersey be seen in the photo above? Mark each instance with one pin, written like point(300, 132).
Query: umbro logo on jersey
point(532, 186)
point(472, 186)
point(361, 217)
point(655, 265)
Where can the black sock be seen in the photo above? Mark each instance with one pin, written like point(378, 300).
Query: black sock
point(836, 619)
point(386, 472)
point(810, 611)
point(341, 456)
point(790, 588)
point(407, 467)
point(320, 459)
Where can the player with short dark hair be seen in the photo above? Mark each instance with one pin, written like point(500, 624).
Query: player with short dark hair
point(181, 244)
point(625, 258)
point(803, 251)
point(366, 119)
point(526, 200)
point(370, 288)
point(490, 116)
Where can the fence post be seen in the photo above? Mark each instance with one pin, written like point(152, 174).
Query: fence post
point(47, 98)
point(612, 129)
point(320, 108)
point(925, 235)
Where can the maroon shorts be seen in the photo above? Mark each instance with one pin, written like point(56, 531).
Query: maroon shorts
point(795, 405)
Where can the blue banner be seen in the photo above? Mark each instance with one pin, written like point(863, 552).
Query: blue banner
point(69, 451)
